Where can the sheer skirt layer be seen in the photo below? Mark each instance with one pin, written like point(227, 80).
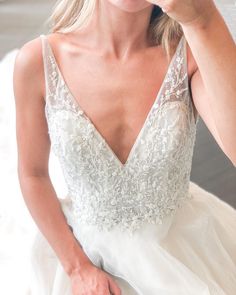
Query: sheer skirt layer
point(184, 255)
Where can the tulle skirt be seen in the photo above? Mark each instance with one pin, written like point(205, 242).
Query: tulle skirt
point(192, 253)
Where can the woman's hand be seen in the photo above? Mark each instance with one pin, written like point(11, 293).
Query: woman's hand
point(91, 280)
point(187, 12)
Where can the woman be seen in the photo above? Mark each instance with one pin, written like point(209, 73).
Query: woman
point(131, 223)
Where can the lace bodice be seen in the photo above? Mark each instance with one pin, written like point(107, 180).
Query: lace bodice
point(153, 182)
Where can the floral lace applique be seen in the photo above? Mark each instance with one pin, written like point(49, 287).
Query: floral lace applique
point(153, 182)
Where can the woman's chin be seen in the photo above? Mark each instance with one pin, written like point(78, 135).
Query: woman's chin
point(130, 5)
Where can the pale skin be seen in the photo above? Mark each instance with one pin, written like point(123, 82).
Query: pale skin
point(114, 56)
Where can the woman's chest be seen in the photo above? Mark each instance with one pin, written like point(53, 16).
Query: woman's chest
point(121, 100)
point(117, 99)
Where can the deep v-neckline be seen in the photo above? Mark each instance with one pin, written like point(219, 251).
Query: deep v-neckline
point(101, 137)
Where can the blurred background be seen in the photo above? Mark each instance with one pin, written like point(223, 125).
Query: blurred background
point(24, 20)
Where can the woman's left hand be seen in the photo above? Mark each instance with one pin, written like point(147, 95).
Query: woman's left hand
point(187, 12)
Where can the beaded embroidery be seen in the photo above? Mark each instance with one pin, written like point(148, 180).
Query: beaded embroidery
point(153, 182)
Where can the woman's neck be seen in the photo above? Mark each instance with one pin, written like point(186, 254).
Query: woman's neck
point(117, 31)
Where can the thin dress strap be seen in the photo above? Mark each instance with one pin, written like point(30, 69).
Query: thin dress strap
point(190, 102)
point(50, 71)
point(174, 85)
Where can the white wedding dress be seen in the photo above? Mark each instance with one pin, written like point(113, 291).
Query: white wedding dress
point(144, 222)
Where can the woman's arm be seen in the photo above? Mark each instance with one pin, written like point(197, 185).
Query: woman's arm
point(214, 82)
point(33, 146)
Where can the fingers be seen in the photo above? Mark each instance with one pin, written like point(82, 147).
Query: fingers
point(114, 289)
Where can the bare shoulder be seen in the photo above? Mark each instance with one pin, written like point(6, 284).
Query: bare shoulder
point(33, 142)
point(57, 40)
point(30, 51)
point(28, 67)
point(55, 37)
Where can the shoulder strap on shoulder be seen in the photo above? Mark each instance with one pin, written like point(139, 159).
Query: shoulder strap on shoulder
point(189, 98)
point(50, 72)
point(175, 85)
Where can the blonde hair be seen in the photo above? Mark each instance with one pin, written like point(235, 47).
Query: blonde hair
point(69, 15)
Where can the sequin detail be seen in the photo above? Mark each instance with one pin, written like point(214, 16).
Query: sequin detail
point(155, 180)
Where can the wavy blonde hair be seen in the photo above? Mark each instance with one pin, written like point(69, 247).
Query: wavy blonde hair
point(69, 15)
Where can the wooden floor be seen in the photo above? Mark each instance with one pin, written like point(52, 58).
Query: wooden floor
point(23, 20)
